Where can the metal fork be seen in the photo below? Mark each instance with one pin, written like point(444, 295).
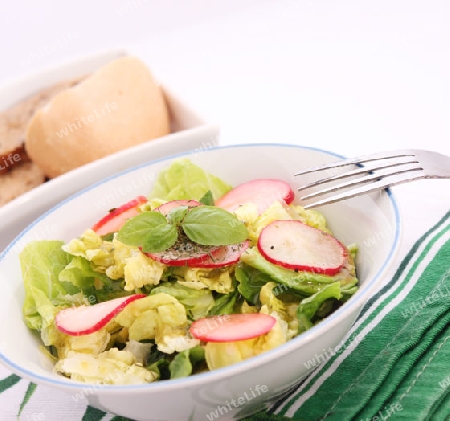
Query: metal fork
point(376, 172)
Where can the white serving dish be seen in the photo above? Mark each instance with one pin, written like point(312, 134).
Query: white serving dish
point(356, 220)
point(189, 133)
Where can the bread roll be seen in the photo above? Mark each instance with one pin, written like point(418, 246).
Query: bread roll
point(119, 106)
point(14, 122)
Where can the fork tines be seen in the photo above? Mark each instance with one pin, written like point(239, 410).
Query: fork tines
point(369, 172)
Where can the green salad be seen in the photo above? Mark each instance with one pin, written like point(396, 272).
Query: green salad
point(196, 276)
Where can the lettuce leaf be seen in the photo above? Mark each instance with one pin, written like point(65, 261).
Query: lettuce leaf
point(251, 281)
point(222, 354)
point(109, 367)
point(80, 273)
point(196, 302)
point(185, 180)
point(216, 279)
point(310, 306)
point(224, 304)
point(184, 363)
point(41, 263)
point(308, 283)
point(160, 368)
point(92, 247)
point(158, 317)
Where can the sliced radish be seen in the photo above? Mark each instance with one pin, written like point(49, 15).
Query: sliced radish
point(217, 257)
point(116, 218)
point(295, 245)
point(186, 254)
point(83, 320)
point(232, 327)
point(223, 256)
point(167, 207)
point(262, 192)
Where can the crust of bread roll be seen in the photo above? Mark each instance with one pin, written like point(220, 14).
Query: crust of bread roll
point(119, 106)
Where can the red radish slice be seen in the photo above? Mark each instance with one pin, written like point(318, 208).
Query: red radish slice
point(262, 192)
point(188, 254)
point(83, 320)
point(167, 207)
point(295, 245)
point(116, 218)
point(223, 256)
point(218, 257)
point(232, 327)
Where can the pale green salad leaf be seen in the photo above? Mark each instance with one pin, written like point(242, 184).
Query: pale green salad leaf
point(308, 307)
point(251, 281)
point(196, 301)
point(305, 282)
point(225, 303)
point(185, 180)
point(41, 263)
point(79, 273)
point(183, 363)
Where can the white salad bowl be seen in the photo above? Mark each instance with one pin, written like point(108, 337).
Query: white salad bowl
point(372, 222)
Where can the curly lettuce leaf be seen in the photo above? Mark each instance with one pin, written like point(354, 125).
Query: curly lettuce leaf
point(251, 281)
point(308, 283)
point(41, 263)
point(184, 363)
point(222, 354)
point(224, 304)
point(185, 180)
point(160, 317)
point(217, 279)
point(309, 307)
point(93, 248)
point(196, 302)
point(137, 270)
point(285, 312)
point(80, 273)
point(109, 367)
point(160, 368)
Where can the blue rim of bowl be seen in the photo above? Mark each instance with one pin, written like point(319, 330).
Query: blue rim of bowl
point(220, 373)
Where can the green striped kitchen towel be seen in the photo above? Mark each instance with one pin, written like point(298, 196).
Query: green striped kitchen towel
point(393, 365)
point(395, 362)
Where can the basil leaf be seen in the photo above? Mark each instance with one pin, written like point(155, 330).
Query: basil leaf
point(207, 199)
point(209, 225)
point(160, 238)
point(136, 229)
point(176, 215)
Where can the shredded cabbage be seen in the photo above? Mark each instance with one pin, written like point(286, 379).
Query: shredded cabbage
point(108, 367)
point(160, 317)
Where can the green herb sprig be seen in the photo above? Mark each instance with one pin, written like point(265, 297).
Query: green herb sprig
point(205, 225)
